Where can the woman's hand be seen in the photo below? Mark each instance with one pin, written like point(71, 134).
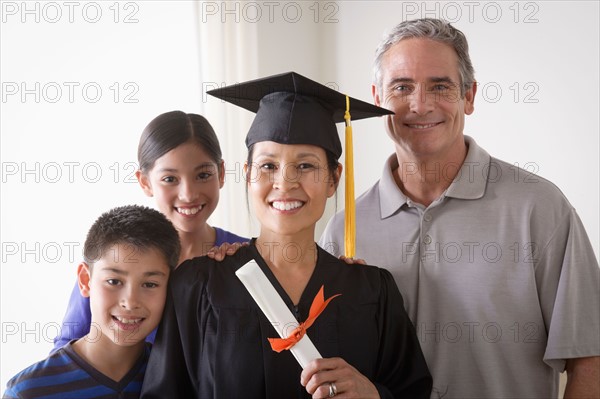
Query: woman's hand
point(352, 261)
point(225, 249)
point(326, 378)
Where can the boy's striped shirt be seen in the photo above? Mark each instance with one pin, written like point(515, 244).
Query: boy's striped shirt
point(64, 374)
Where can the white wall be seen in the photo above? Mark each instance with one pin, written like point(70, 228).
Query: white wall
point(44, 223)
point(84, 151)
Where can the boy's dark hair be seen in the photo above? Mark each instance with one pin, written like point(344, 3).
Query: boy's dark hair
point(141, 227)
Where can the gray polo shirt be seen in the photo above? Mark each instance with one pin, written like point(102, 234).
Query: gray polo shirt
point(498, 276)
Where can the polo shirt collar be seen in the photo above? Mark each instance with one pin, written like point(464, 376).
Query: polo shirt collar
point(470, 183)
point(391, 198)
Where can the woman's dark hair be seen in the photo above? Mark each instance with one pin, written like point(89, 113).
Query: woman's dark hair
point(171, 129)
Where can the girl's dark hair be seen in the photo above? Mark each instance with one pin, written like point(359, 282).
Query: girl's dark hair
point(171, 129)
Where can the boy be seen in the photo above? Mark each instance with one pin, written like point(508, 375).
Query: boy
point(129, 253)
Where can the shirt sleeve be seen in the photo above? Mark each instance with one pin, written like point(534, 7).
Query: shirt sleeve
point(402, 371)
point(9, 394)
point(330, 240)
point(568, 280)
point(76, 322)
point(223, 236)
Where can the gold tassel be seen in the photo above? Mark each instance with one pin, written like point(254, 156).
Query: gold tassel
point(349, 221)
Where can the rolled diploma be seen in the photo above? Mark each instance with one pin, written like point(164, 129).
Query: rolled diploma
point(278, 314)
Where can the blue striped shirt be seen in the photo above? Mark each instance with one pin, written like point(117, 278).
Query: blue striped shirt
point(65, 375)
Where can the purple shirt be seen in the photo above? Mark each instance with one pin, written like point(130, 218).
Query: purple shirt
point(78, 317)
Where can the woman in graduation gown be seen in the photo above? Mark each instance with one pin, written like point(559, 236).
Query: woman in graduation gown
point(213, 341)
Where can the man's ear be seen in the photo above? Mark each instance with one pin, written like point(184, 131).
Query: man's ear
point(144, 182)
point(84, 275)
point(375, 93)
point(470, 99)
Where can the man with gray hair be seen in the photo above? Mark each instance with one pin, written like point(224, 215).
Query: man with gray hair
point(497, 272)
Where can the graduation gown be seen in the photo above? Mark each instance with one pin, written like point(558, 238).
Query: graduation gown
point(212, 340)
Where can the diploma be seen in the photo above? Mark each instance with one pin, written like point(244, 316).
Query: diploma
point(273, 307)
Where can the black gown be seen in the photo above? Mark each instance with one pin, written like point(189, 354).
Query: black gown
point(212, 340)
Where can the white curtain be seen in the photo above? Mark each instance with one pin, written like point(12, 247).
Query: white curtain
point(227, 53)
point(236, 45)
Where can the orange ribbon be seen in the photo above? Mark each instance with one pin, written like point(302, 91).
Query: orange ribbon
point(318, 306)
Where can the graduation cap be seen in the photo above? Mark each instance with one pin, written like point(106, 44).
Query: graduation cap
point(293, 109)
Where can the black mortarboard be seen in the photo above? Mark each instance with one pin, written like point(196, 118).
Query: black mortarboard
point(292, 109)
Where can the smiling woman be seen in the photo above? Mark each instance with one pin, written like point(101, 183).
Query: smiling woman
point(289, 186)
point(218, 334)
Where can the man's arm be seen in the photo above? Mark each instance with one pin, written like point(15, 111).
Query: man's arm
point(583, 378)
